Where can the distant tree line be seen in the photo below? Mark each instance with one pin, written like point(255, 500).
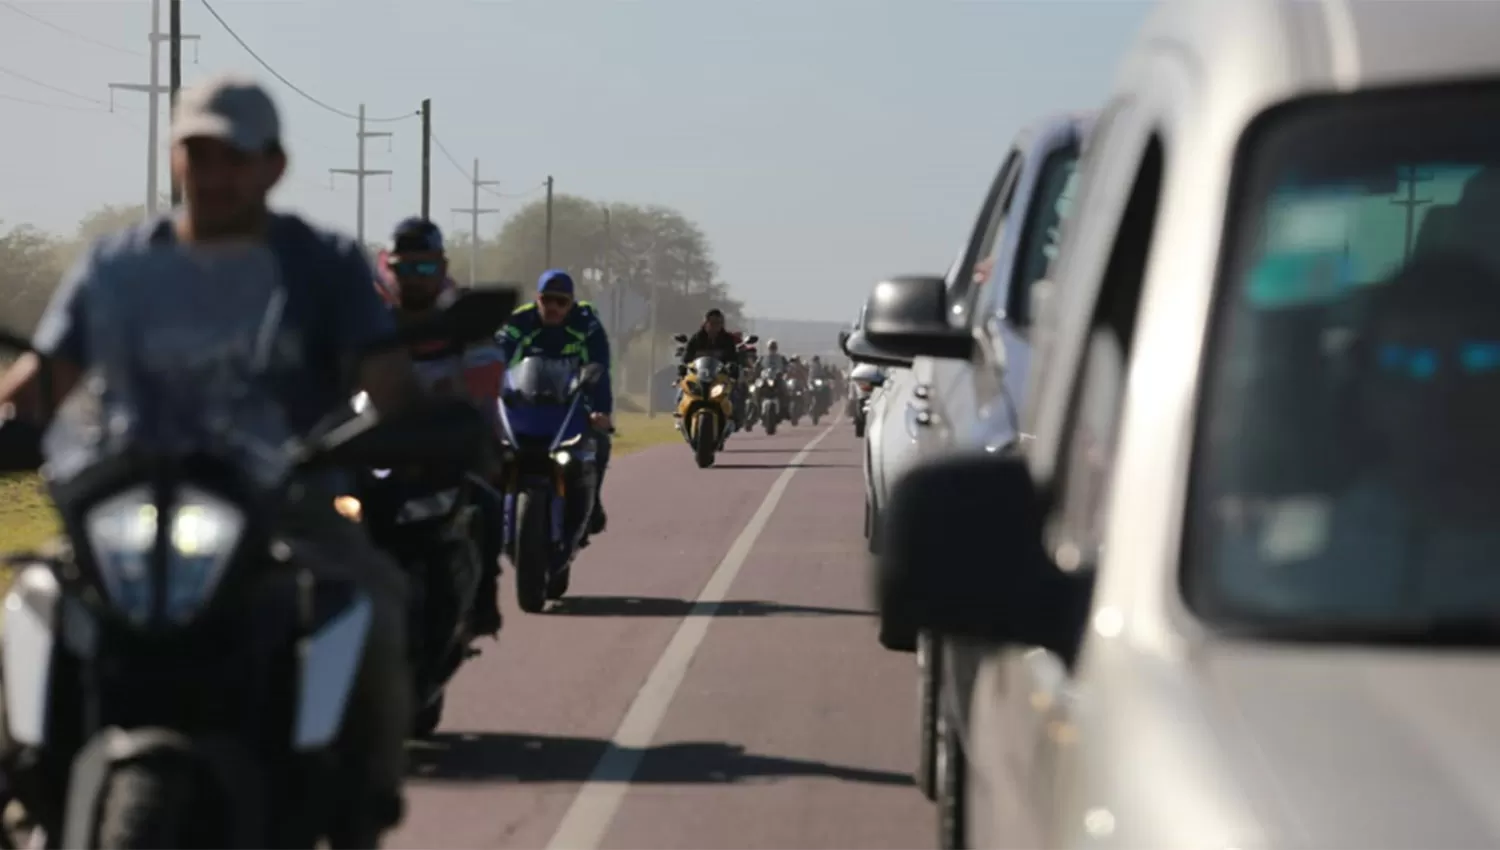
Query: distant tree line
point(642, 248)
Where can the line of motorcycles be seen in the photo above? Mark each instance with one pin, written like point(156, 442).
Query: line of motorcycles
point(178, 675)
point(428, 517)
point(714, 396)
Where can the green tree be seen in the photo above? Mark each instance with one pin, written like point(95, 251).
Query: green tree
point(31, 264)
point(641, 248)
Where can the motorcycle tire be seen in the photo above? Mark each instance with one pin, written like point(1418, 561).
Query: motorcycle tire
point(557, 585)
point(425, 724)
point(149, 804)
point(707, 443)
point(533, 553)
point(770, 427)
point(859, 429)
point(815, 419)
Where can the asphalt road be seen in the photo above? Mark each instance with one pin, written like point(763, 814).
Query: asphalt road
point(712, 681)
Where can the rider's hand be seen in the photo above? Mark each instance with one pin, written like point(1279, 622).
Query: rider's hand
point(600, 421)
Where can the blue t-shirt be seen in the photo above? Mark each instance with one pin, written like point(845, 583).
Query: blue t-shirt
point(301, 306)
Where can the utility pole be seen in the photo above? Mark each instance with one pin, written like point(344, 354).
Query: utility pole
point(475, 212)
point(549, 221)
point(427, 159)
point(154, 90)
point(360, 173)
point(174, 72)
point(1411, 202)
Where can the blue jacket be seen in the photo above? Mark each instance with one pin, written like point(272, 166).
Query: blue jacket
point(581, 335)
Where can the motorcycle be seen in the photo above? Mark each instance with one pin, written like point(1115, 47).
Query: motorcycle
point(765, 395)
point(796, 405)
point(822, 400)
point(705, 414)
point(179, 676)
point(427, 519)
point(551, 474)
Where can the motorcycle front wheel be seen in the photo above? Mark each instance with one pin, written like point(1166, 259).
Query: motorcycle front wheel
point(150, 804)
point(533, 552)
point(706, 437)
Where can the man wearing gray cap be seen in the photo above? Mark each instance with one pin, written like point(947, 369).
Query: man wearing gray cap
point(227, 155)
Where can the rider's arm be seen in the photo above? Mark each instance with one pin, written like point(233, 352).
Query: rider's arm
point(360, 322)
point(59, 337)
point(508, 338)
point(597, 343)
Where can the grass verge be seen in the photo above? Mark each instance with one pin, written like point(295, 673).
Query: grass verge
point(26, 516)
point(636, 431)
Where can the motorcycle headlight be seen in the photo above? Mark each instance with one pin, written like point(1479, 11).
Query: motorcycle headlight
point(360, 403)
point(717, 391)
point(201, 537)
point(349, 508)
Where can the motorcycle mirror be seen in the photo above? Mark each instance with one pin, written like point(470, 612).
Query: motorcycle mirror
point(680, 338)
point(591, 373)
point(751, 339)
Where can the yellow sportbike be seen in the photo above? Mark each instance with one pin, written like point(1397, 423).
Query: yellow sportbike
point(706, 408)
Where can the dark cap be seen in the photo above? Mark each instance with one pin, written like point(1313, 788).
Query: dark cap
point(415, 235)
point(231, 108)
point(715, 313)
point(555, 282)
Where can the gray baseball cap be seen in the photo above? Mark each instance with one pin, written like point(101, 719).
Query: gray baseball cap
point(229, 107)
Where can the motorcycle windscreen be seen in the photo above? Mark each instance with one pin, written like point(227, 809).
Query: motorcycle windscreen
point(188, 354)
point(706, 369)
point(537, 394)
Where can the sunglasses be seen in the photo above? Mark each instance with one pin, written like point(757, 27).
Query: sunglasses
point(424, 268)
point(556, 300)
point(1424, 363)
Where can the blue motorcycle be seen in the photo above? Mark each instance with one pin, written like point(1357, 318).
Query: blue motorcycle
point(550, 475)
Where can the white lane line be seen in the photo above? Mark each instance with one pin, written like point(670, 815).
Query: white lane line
point(584, 824)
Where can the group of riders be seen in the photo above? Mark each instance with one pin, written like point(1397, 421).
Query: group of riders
point(820, 382)
point(227, 155)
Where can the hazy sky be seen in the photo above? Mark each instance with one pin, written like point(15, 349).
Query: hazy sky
point(820, 144)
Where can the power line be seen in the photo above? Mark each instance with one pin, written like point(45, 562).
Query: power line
point(484, 186)
point(65, 31)
point(514, 195)
point(66, 107)
point(448, 155)
point(34, 81)
point(293, 86)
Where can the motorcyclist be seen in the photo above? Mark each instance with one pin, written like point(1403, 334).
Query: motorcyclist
point(774, 362)
point(227, 154)
point(775, 365)
point(817, 372)
point(556, 324)
point(712, 340)
point(412, 277)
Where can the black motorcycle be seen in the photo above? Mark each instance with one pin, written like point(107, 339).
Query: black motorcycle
point(796, 401)
point(822, 399)
point(179, 678)
point(428, 519)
